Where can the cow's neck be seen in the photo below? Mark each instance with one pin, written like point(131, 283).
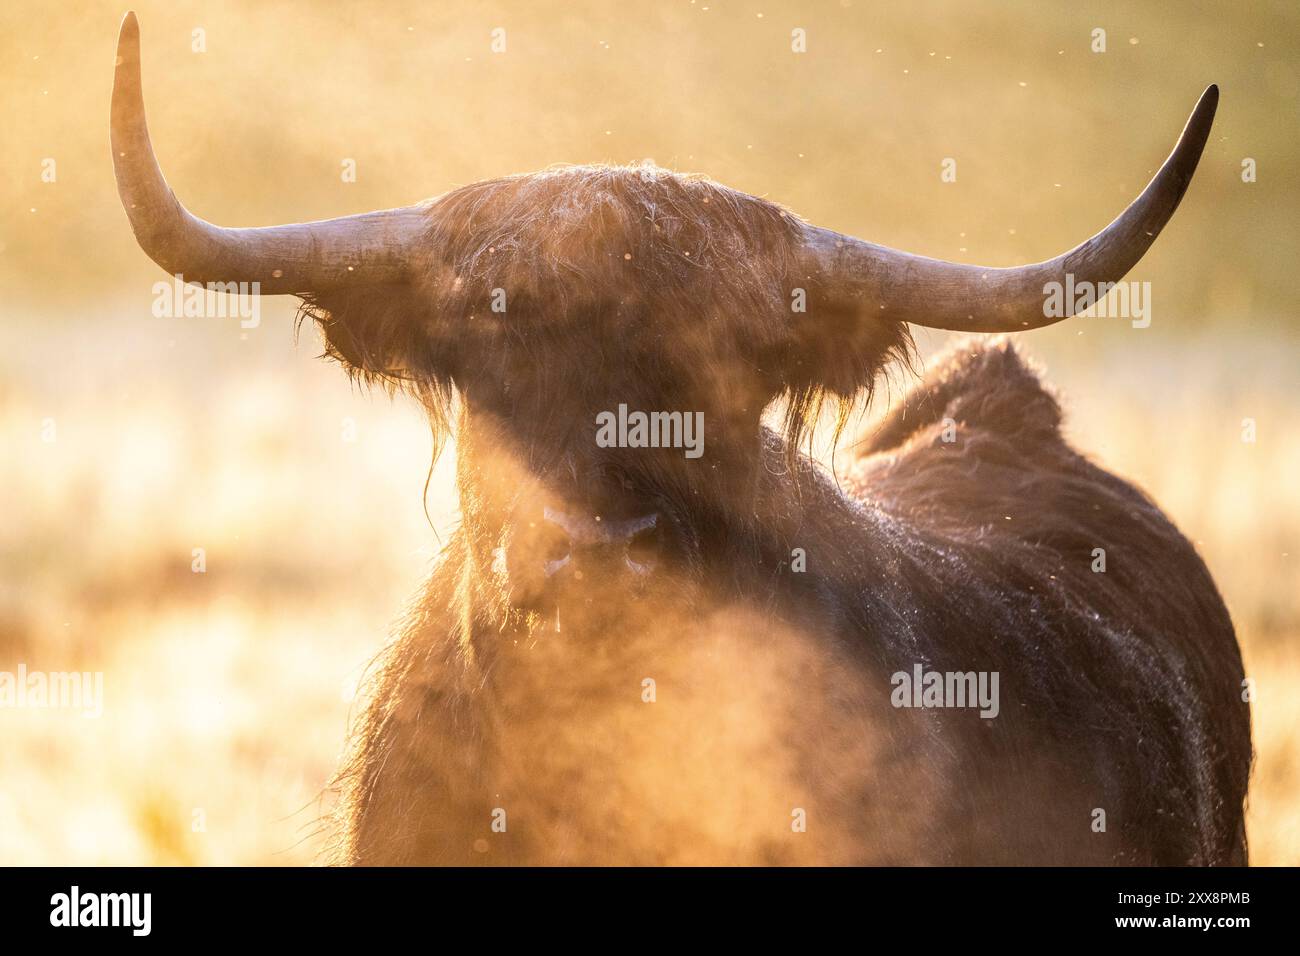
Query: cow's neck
point(772, 534)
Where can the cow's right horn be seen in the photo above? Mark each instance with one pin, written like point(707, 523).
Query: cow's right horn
point(878, 281)
point(299, 258)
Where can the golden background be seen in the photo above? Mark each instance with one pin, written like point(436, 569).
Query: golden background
point(227, 693)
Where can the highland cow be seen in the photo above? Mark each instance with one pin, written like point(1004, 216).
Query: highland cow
point(628, 654)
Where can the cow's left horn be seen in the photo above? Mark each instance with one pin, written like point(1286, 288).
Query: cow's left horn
point(300, 258)
point(946, 295)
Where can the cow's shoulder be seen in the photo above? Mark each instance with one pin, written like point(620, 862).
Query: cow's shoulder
point(975, 385)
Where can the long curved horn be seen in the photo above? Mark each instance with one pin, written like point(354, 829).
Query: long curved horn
point(299, 258)
point(947, 295)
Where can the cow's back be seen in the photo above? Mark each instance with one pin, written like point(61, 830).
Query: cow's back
point(1121, 678)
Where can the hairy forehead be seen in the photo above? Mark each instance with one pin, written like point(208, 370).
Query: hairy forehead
point(564, 195)
point(628, 218)
point(591, 250)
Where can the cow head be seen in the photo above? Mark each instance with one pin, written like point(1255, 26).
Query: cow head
point(544, 305)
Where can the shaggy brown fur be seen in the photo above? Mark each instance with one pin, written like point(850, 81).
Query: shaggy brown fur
point(675, 280)
point(1119, 691)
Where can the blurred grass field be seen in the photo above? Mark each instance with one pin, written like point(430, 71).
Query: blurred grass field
point(227, 692)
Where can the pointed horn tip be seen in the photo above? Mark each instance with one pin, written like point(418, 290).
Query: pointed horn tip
point(1197, 130)
point(1208, 102)
point(129, 32)
point(126, 64)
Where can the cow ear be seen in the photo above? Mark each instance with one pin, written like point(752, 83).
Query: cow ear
point(841, 350)
point(378, 332)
